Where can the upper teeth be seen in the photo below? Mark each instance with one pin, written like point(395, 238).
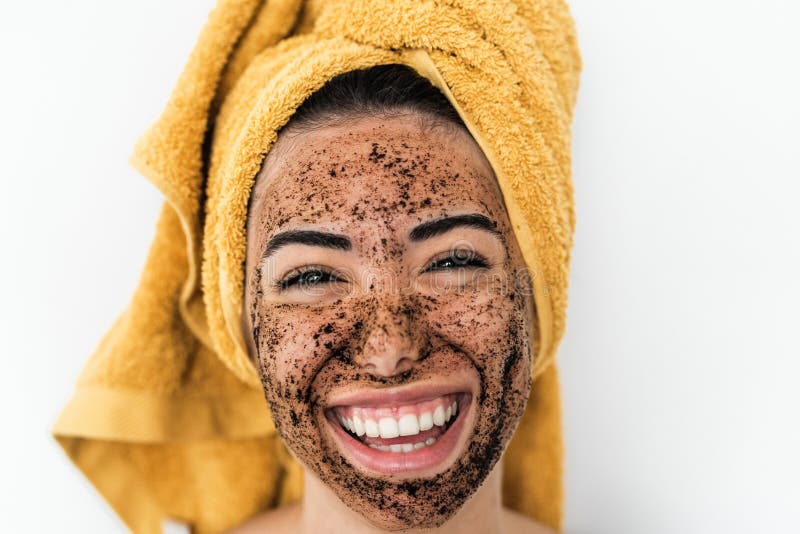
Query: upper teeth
point(361, 421)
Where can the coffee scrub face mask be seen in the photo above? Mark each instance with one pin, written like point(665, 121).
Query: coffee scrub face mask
point(389, 312)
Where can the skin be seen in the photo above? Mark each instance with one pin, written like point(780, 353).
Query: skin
point(388, 312)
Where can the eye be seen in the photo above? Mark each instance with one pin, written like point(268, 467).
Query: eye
point(307, 277)
point(457, 259)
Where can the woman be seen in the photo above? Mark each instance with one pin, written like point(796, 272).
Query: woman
point(368, 222)
point(385, 310)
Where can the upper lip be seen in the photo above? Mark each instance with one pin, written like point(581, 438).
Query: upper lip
point(397, 396)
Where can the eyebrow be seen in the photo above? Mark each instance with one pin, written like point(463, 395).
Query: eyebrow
point(436, 227)
point(420, 232)
point(306, 237)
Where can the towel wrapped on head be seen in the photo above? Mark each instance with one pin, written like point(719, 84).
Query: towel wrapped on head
point(169, 418)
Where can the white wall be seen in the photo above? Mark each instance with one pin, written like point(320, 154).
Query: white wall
point(680, 361)
point(681, 358)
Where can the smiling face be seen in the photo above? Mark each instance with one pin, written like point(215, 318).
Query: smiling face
point(388, 310)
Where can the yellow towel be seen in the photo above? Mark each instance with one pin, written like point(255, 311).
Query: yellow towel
point(168, 418)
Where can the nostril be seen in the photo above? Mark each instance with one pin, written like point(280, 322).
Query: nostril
point(403, 365)
point(388, 367)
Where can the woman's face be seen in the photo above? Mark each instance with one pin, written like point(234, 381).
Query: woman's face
point(389, 313)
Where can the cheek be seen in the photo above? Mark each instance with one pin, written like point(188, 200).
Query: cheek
point(295, 343)
point(289, 343)
point(484, 324)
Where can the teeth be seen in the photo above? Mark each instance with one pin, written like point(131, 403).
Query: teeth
point(388, 428)
point(426, 421)
point(438, 416)
point(408, 425)
point(371, 428)
point(402, 422)
point(359, 426)
point(404, 447)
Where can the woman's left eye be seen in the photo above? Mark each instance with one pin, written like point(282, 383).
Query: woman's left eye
point(306, 278)
point(457, 259)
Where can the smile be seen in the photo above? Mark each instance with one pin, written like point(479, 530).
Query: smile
point(403, 436)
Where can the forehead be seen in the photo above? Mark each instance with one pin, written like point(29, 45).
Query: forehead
point(374, 167)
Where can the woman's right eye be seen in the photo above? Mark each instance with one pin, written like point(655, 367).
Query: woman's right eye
point(307, 278)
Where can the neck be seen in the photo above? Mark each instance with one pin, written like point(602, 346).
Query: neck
point(322, 511)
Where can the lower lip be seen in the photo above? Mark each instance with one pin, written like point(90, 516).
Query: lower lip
point(420, 461)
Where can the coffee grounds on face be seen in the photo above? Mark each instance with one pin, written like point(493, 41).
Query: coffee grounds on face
point(371, 181)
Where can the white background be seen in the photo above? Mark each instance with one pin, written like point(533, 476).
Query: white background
point(681, 361)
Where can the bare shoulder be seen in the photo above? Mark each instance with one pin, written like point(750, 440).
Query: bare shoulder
point(278, 521)
point(517, 523)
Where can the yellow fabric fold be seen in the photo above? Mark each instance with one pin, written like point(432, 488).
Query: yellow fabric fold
point(168, 418)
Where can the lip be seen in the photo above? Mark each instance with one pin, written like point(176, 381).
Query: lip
point(423, 462)
point(410, 394)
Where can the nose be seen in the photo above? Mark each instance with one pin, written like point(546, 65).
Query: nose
point(392, 343)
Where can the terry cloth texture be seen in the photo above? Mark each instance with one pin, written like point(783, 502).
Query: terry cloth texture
point(168, 417)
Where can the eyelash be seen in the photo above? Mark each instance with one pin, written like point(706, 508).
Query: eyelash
point(458, 258)
point(296, 277)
